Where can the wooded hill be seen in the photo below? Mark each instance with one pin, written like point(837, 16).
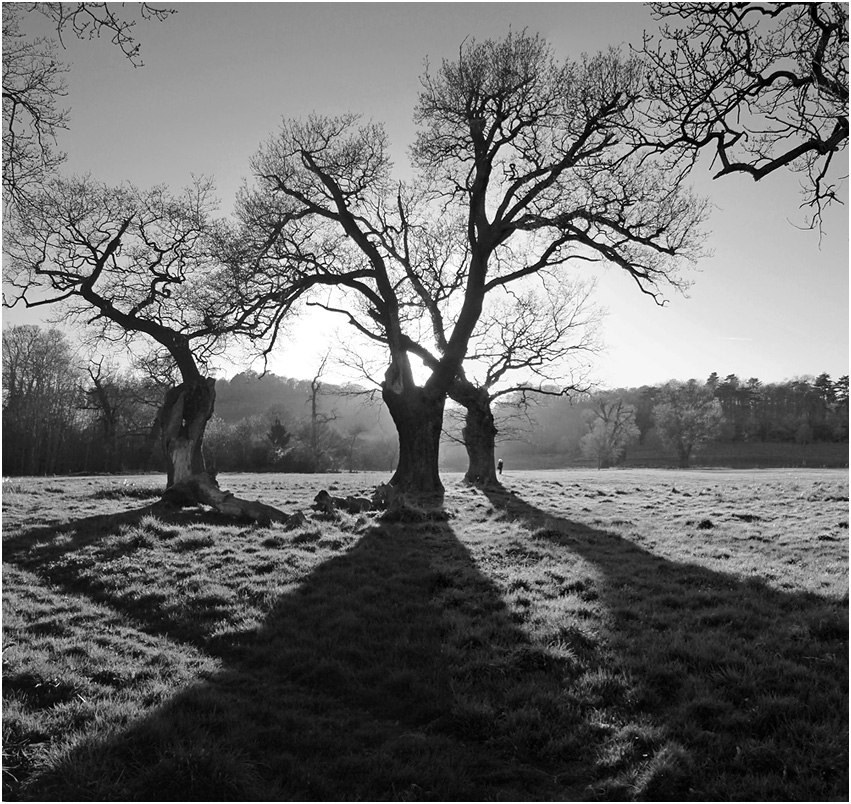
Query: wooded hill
point(61, 417)
point(799, 422)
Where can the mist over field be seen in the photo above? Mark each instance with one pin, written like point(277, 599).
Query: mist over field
point(272, 423)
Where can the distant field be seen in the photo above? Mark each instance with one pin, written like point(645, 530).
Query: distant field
point(747, 455)
point(616, 635)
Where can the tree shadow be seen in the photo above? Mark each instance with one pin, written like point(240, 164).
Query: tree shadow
point(396, 670)
point(380, 677)
point(61, 537)
point(106, 559)
point(742, 678)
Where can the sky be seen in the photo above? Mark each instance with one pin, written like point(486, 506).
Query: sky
point(771, 301)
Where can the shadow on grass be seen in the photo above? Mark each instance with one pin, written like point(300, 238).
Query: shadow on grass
point(748, 683)
point(396, 671)
point(57, 539)
point(382, 676)
point(73, 555)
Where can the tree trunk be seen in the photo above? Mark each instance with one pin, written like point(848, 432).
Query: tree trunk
point(479, 436)
point(203, 489)
point(479, 432)
point(183, 418)
point(418, 417)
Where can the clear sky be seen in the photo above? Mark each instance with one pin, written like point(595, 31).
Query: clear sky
point(771, 302)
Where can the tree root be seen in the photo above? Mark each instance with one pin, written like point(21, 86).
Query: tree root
point(201, 489)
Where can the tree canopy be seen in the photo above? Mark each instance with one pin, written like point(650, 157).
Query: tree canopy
point(34, 83)
point(763, 86)
point(129, 262)
point(530, 165)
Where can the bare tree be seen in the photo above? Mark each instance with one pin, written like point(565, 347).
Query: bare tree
point(516, 153)
point(763, 85)
point(34, 84)
point(133, 264)
point(103, 397)
point(612, 430)
point(531, 340)
point(40, 399)
point(319, 421)
point(687, 416)
point(528, 346)
point(96, 20)
point(352, 434)
point(124, 406)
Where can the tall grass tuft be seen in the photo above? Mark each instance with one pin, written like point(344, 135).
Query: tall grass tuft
point(127, 490)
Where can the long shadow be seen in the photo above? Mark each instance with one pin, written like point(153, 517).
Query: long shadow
point(742, 677)
point(379, 678)
point(89, 530)
point(100, 539)
point(395, 671)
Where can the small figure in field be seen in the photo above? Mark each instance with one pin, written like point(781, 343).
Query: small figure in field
point(499, 467)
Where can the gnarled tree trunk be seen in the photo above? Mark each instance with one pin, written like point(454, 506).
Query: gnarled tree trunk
point(183, 418)
point(418, 416)
point(204, 490)
point(479, 432)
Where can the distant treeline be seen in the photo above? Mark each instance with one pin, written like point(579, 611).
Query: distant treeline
point(797, 422)
point(64, 417)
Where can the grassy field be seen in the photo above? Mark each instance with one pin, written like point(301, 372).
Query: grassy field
point(617, 635)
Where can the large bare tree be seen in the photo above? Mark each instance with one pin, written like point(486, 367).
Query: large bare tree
point(34, 85)
point(763, 86)
point(131, 264)
point(515, 152)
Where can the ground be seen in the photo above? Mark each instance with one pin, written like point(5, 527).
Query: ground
point(635, 634)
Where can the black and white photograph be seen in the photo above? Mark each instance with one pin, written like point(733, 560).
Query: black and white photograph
point(425, 401)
